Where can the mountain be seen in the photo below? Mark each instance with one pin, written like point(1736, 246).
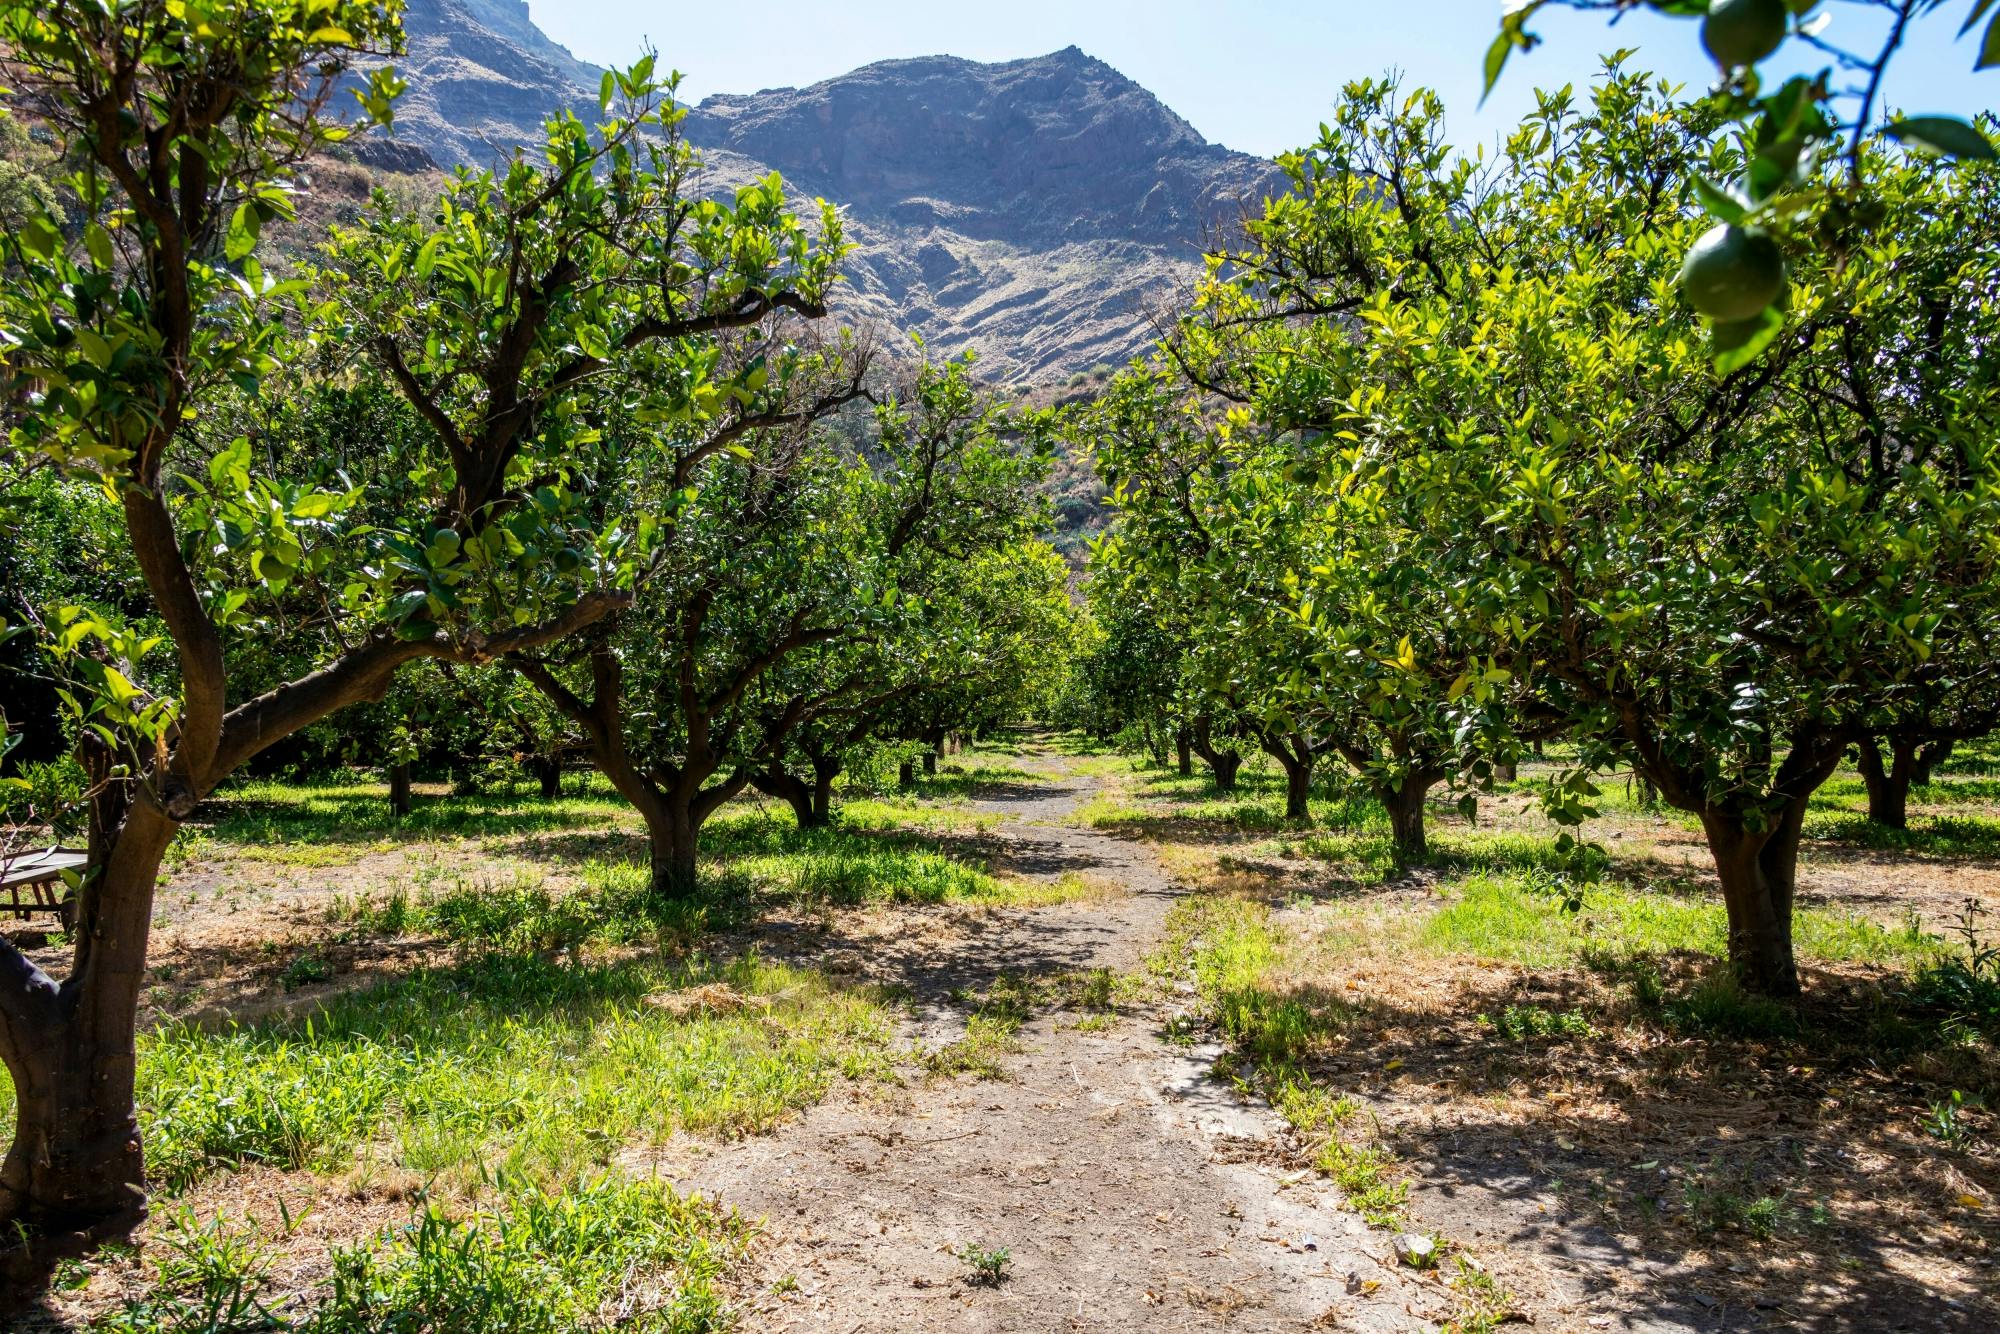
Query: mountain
point(482, 78)
point(1036, 210)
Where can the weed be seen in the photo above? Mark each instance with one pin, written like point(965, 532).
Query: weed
point(210, 1278)
point(987, 1038)
point(1712, 1209)
point(1945, 1121)
point(1518, 1023)
point(985, 1266)
point(545, 1263)
point(303, 971)
point(1363, 1174)
point(1719, 1004)
point(1961, 992)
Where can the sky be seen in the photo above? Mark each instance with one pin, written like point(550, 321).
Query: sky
point(1256, 75)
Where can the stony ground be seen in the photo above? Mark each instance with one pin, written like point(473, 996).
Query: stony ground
point(1129, 1188)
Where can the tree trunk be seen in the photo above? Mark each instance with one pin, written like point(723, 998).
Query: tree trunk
point(75, 1173)
point(1222, 763)
point(1295, 754)
point(1298, 790)
point(671, 841)
point(1888, 788)
point(399, 789)
point(1759, 873)
point(1184, 752)
point(1507, 772)
point(1928, 759)
point(776, 782)
point(1405, 804)
point(824, 772)
point(547, 770)
point(906, 774)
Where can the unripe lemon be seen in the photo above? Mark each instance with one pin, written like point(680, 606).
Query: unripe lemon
point(1732, 273)
point(1743, 32)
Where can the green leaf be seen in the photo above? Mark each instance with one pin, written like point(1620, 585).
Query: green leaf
point(1722, 203)
point(1737, 343)
point(605, 88)
point(244, 226)
point(40, 237)
point(1496, 61)
point(1989, 46)
point(1946, 136)
point(98, 242)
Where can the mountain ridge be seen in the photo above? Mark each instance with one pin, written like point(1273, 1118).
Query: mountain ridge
point(1034, 210)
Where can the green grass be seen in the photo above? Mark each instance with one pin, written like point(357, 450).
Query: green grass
point(1514, 918)
point(506, 1066)
point(889, 813)
point(600, 1251)
point(1233, 947)
point(1932, 835)
point(274, 820)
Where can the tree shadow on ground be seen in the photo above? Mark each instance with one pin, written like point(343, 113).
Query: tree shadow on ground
point(1675, 1171)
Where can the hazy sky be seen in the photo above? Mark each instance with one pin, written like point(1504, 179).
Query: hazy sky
point(1257, 75)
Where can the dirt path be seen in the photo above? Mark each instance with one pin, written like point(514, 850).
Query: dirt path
point(1131, 1190)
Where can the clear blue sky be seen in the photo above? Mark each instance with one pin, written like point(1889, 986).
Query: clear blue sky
point(1257, 75)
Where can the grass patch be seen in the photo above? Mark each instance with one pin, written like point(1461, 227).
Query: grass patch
point(507, 1067)
point(603, 1251)
point(1929, 834)
point(275, 817)
point(1520, 919)
point(887, 814)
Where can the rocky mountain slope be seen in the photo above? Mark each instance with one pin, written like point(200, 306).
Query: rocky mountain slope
point(1036, 210)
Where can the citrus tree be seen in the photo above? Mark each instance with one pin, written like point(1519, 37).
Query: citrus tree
point(1724, 580)
point(129, 324)
point(779, 550)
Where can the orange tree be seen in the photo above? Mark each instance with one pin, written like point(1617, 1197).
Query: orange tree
point(129, 319)
point(1722, 579)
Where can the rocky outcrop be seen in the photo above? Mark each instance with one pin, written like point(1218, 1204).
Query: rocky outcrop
point(1036, 210)
point(482, 78)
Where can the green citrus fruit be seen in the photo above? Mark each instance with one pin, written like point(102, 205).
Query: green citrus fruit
point(1732, 273)
point(1743, 32)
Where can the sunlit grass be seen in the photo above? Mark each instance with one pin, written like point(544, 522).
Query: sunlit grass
point(506, 1065)
point(888, 813)
point(1518, 919)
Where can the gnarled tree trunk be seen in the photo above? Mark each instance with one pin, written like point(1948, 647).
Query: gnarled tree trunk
point(75, 1173)
point(1184, 752)
point(811, 802)
point(1222, 763)
point(1294, 752)
point(1405, 804)
point(1928, 759)
point(1759, 873)
point(1888, 786)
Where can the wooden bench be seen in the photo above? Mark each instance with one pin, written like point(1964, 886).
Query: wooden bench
point(40, 875)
